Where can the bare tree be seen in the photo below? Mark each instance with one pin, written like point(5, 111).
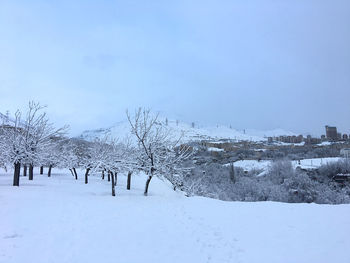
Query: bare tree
point(68, 158)
point(158, 153)
point(25, 142)
point(111, 156)
point(12, 145)
point(39, 134)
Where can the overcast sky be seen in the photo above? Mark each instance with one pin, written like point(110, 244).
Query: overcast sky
point(260, 64)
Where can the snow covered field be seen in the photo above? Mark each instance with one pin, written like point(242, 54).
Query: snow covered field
point(61, 220)
point(249, 165)
point(315, 162)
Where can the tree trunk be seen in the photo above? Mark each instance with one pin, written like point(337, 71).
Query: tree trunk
point(71, 171)
point(16, 174)
point(49, 172)
point(129, 181)
point(31, 168)
point(109, 176)
point(41, 169)
point(103, 174)
point(113, 184)
point(232, 173)
point(25, 170)
point(75, 173)
point(87, 175)
point(115, 178)
point(150, 176)
point(147, 184)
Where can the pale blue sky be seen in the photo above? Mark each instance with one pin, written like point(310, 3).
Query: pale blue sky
point(259, 64)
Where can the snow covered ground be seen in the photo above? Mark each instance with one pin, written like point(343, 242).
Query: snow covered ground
point(214, 149)
point(249, 165)
point(315, 162)
point(61, 220)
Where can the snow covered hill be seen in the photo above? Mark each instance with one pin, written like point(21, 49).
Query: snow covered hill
point(270, 133)
point(122, 130)
point(60, 220)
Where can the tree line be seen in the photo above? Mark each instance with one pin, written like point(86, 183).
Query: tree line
point(30, 140)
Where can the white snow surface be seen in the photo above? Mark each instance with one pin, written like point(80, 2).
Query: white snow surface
point(61, 220)
point(214, 149)
point(325, 143)
point(249, 165)
point(122, 130)
point(315, 162)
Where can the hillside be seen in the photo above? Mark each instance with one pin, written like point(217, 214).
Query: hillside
point(121, 130)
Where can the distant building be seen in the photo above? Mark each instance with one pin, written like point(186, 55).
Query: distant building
point(345, 137)
point(331, 133)
point(311, 140)
point(300, 138)
point(315, 140)
point(287, 139)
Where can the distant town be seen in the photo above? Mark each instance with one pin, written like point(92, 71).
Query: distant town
point(331, 135)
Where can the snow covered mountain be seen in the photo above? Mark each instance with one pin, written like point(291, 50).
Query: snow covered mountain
point(190, 133)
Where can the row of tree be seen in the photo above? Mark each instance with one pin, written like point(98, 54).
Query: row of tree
point(33, 141)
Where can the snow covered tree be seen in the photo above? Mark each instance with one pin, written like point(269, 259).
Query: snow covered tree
point(126, 154)
point(279, 170)
point(68, 158)
point(53, 154)
point(39, 134)
point(24, 142)
point(114, 157)
point(101, 154)
point(232, 173)
point(83, 152)
point(12, 145)
point(158, 152)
